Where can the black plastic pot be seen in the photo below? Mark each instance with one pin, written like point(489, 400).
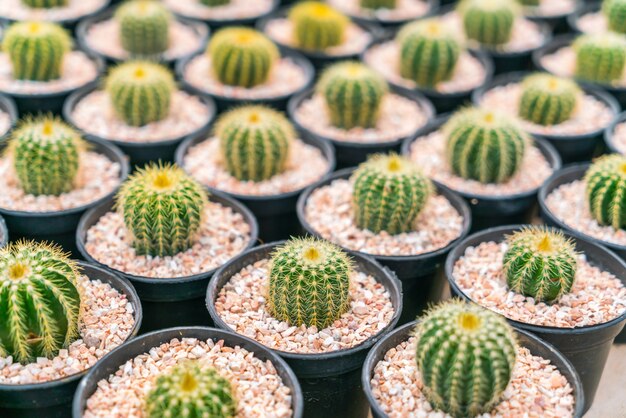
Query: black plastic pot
point(610, 132)
point(393, 25)
point(583, 9)
point(571, 148)
point(70, 24)
point(53, 399)
point(557, 23)
point(276, 214)
point(587, 348)
point(535, 345)
point(330, 381)
point(60, 227)
point(111, 363)
point(7, 105)
point(220, 23)
point(139, 153)
point(4, 233)
point(167, 302)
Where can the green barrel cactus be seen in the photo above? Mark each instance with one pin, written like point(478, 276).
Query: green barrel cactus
point(540, 263)
point(489, 22)
point(615, 12)
point(140, 92)
point(144, 27)
point(389, 192)
point(600, 58)
point(530, 3)
point(309, 283)
point(606, 190)
point(548, 100)
point(162, 209)
point(39, 301)
point(215, 3)
point(45, 4)
point(484, 146)
point(242, 57)
point(254, 142)
point(378, 4)
point(317, 26)
point(191, 391)
point(465, 355)
point(36, 50)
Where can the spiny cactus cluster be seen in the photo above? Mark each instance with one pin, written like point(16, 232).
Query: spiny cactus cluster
point(483, 145)
point(615, 12)
point(309, 283)
point(214, 3)
point(144, 27)
point(45, 4)
point(254, 142)
point(162, 209)
point(600, 58)
point(548, 100)
point(540, 263)
point(242, 57)
point(429, 52)
point(317, 26)
point(189, 390)
point(606, 190)
point(389, 192)
point(465, 355)
point(36, 50)
point(489, 22)
point(379, 4)
point(140, 92)
point(39, 301)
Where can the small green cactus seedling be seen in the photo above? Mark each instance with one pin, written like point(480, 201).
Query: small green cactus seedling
point(189, 390)
point(162, 209)
point(317, 26)
point(540, 263)
point(600, 58)
point(389, 192)
point(39, 301)
point(465, 355)
point(45, 4)
point(36, 50)
point(615, 12)
point(144, 27)
point(140, 92)
point(242, 57)
point(309, 283)
point(483, 145)
point(548, 100)
point(489, 22)
point(379, 4)
point(215, 3)
point(606, 190)
point(254, 142)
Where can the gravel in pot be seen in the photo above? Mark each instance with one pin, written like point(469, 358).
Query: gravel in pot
point(554, 13)
point(587, 18)
point(403, 12)
point(67, 15)
point(615, 135)
point(231, 13)
point(8, 116)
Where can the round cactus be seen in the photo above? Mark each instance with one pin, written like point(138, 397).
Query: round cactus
point(242, 57)
point(45, 4)
point(530, 3)
point(540, 263)
point(39, 301)
point(615, 12)
point(429, 52)
point(140, 92)
point(484, 146)
point(36, 50)
point(389, 192)
point(144, 27)
point(488, 22)
point(465, 355)
point(309, 283)
point(254, 142)
point(600, 58)
point(215, 3)
point(317, 26)
point(188, 390)
point(378, 4)
point(548, 100)
point(162, 209)
point(606, 190)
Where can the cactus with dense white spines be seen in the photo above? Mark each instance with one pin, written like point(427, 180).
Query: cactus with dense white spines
point(144, 27)
point(489, 22)
point(606, 190)
point(600, 58)
point(548, 100)
point(317, 26)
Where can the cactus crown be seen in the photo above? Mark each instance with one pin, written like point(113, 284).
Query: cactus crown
point(547, 99)
point(378, 4)
point(600, 58)
point(189, 390)
point(39, 301)
point(615, 12)
point(317, 26)
point(489, 22)
point(45, 4)
point(144, 27)
point(606, 190)
point(465, 355)
point(309, 283)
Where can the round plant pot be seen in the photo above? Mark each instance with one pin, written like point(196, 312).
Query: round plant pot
point(587, 348)
point(60, 226)
point(7, 105)
point(609, 133)
point(111, 363)
point(166, 302)
point(275, 214)
point(393, 25)
point(535, 345)
point(571, 148)
point(53, 399)
point(4, 233)
point(583, 9)
point(221, 23)
point(330, 381)
point(69, 23)
point(557, 23)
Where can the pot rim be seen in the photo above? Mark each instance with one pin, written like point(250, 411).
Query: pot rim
point(609, 132)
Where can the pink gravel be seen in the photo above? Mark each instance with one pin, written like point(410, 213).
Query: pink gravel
point(17, 10)
point(404, 10)
point(235, 9)
point(563, 63)
point(593, 23)
point(619, 137)
point(5, 123)
point(548, 8)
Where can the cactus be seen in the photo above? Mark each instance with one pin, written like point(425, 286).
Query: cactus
point(45, 4)
point(242, 57)
point(162, 209)
point(378, 4)
point(309, 283)
point(488, 22)
point(36, 50)
point(600, 58)
point(548, 100)
point(39, 301)
point(317, 26)
point(606, 190)
point(188, 390)
point(389, 192)
point(254, 142)
point(484, 146)
point(144, 27)
point(353, 94)
point(429, 52)
point(140, 92)
point(615, 12)
point(540, 263)
point(530, 3)
point(215, 3)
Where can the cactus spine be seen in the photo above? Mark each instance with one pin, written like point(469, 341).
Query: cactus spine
point(489, 22)
point(45, 4)
point(317, 26)
point(144, 27)
point(606, 190)
point(548, 100)
point(600, 58)
point(309, 283)
point(215, 3)
point(615, 12)
point(379, 4)
point(39, 301)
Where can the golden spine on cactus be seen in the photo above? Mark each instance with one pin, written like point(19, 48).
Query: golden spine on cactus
point(615, 12)
point(45, 4)
point(317, 26)
point(548, 100)
point(379, 4)
point(489, 22)
point(600, 58)
point(144, 27)
point(606, 190)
